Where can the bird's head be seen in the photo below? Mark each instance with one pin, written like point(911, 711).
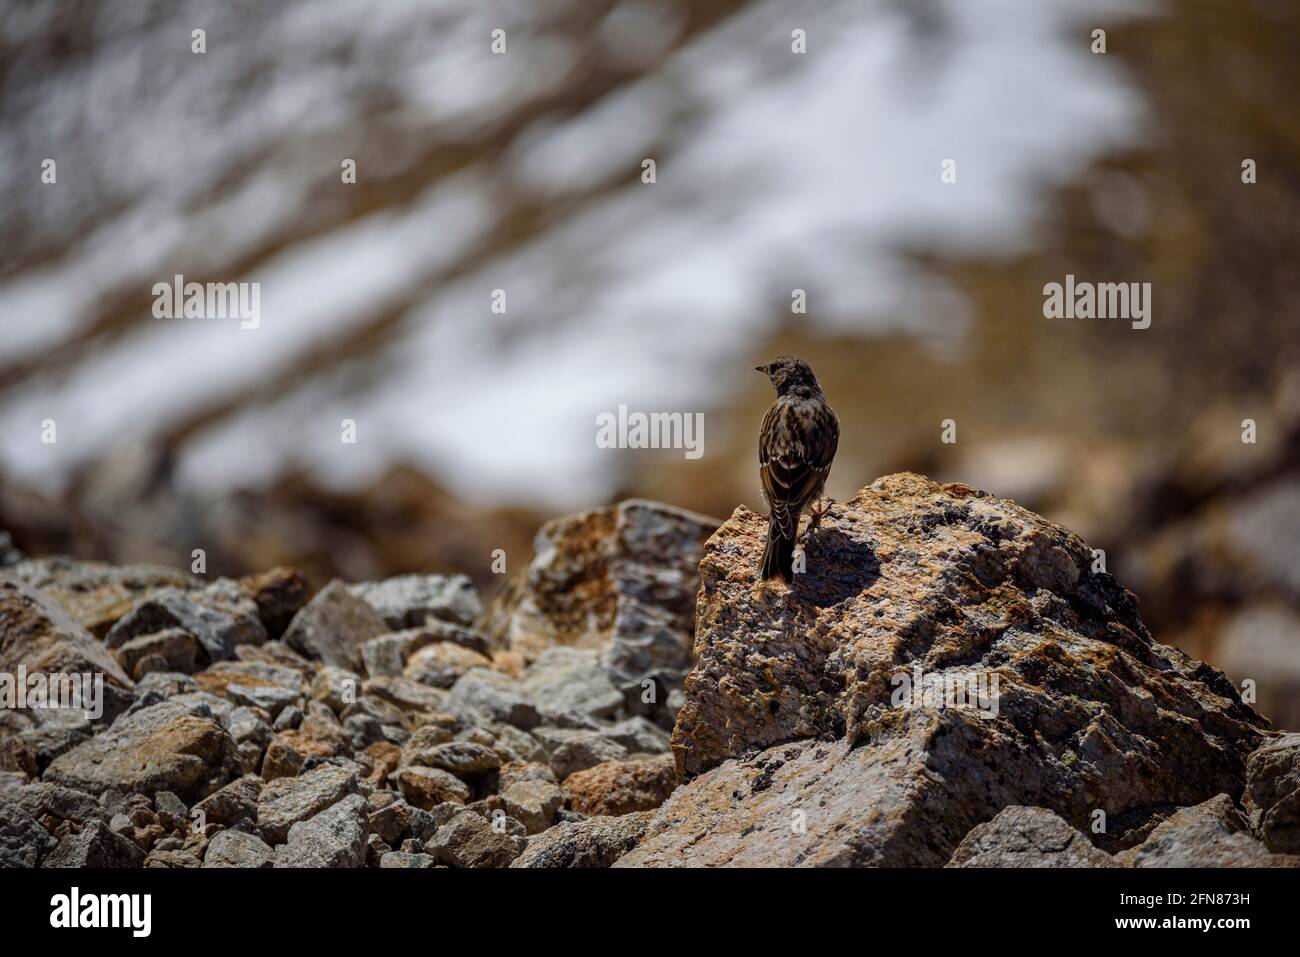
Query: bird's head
point(790, 373)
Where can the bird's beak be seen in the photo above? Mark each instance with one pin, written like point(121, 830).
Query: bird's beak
point(760, 368)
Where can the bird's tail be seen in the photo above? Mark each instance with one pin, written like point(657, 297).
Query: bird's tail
point(778, 553)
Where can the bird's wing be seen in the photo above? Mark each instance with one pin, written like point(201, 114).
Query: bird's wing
point(797, 443)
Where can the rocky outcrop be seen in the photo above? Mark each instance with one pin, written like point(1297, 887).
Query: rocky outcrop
point(945, 655)
point(949, 681)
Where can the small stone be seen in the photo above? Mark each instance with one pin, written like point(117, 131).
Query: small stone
point(533, 803)
point(622, 787)
point(428, 787)
point(287, 801)
point(333, 626)
point(470, 840)
point(398, 859)
point(570, 750)
point(233, 804)
point(336, 837)
point(407, 601)
point(23, 842)
point(439, 665)
point(491, 696)
point(232, 848)
point(169, 650)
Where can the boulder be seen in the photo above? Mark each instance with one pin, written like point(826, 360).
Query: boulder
point(440, 664)
point(279, 594)
point(95, 846)
point(946, 654)
point(1211, 834)
point(428, 787)
point(569, 750)
point(1027, 837)
point(1273, 793)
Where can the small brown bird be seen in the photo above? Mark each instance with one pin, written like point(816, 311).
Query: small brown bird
point(796, 446)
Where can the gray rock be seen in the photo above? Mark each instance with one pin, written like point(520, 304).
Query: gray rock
point(1028, 837)
point(219, 616)
point(285, 802)
point(165, 684)
point(533, 803)
point(569, 750)
point(594, 842)
point(171, 860)
point(23, 842)
point(1211, 834)
point(638, 735)
point(231, 848)
point(41, 799)
point(270, 699)
point(637, 565)
point(572, 680)
point(245, 724)
point(388, 654)
point(408, 600)
point(470, 840)
point(461, 758)
point(288, 719)
point(336, 837)
point(487, 695)
point(333, 626)
point(1273, 792)
point(231, 805)
point(337, 688)
point(400, 859)
point(95, 846)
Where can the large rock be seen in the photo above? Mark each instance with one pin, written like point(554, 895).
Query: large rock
point(1027, 837)
point(620, 580)
point(1211, 834)
point(333, 626)
point(914, 581)
point(1273, 793)
point(170, 746)
point(37, 634)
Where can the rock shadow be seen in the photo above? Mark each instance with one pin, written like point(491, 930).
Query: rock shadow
point(838, 567)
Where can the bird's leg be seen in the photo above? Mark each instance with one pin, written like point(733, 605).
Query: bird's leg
point(815, 515)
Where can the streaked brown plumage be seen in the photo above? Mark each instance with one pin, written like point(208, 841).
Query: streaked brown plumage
point(796, 445)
